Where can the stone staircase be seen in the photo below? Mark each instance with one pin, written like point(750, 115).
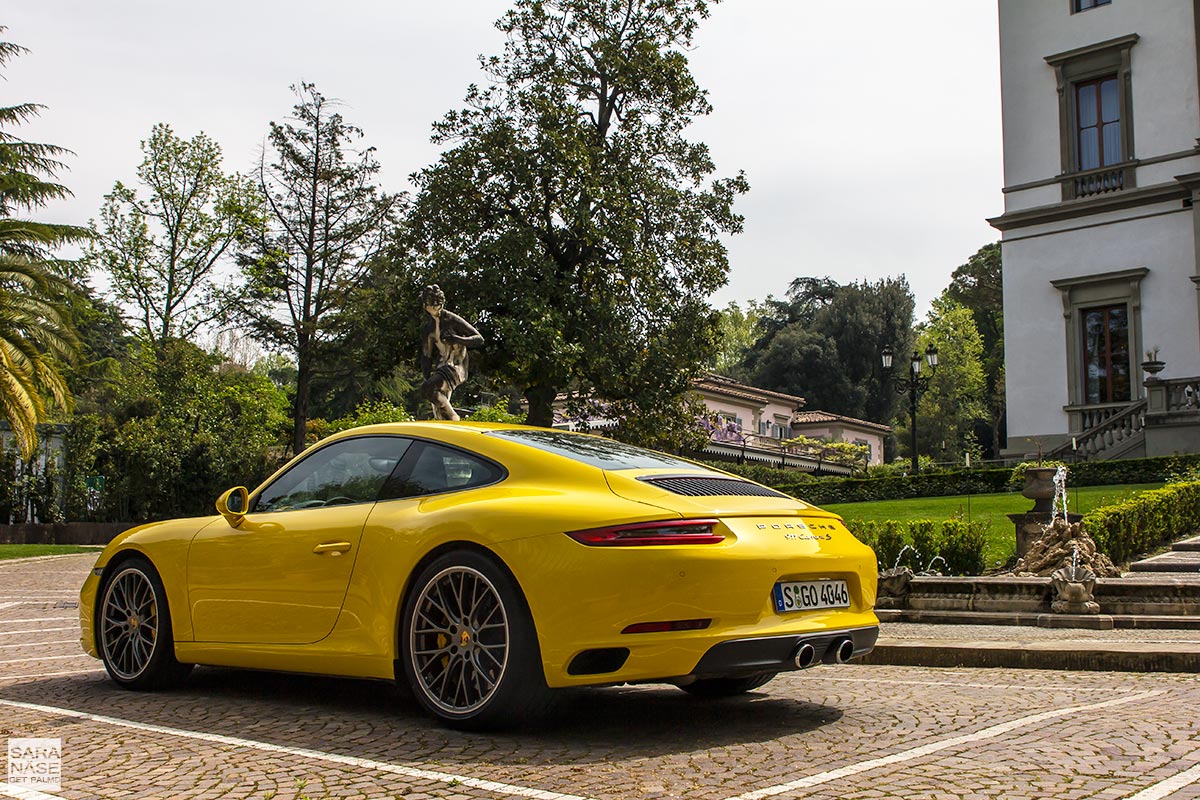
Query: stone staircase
point(1182, 559)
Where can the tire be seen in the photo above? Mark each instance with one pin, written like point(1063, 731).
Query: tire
point(727, 687)
point(133, 629)
point(470, 650)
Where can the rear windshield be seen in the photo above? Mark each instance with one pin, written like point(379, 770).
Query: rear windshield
point(594, 450)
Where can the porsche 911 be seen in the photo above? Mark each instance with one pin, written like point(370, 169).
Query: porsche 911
point(484, 566)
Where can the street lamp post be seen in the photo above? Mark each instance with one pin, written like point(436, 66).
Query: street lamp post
point(914, 385)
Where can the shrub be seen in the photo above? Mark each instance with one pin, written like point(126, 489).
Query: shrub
point(824, 491)
point(497, 413)
point(760, 473)
point(1143, 522)
point(962, 546)
point(958, 542)
point(1017, 479)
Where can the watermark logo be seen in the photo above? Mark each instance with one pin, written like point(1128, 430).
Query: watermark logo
point(35, 763)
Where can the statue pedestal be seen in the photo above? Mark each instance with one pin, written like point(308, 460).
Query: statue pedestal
point(1032, 524)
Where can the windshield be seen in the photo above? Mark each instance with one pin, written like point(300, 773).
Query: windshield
point(594, 450)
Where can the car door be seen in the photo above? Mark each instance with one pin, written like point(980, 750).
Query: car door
point(280, 577)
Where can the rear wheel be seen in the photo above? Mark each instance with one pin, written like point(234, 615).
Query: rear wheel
point(471, 654)
point(727, 687)
point(134, 629)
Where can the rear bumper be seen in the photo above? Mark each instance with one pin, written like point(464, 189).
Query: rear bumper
point(777, 653)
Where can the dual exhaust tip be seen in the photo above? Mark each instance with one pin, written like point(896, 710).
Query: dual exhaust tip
point(839, 652)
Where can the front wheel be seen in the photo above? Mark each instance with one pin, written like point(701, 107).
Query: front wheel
point(727, 687)
point(134, 629)
point(471, 653)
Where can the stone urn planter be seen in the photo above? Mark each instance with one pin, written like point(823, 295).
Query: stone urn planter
point(1152, 367)
point(1039, 487)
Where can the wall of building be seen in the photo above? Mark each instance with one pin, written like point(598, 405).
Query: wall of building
point(1163, 66)
point(1161, 240)
point(838, 432)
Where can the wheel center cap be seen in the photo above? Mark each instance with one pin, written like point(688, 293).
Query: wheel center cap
point(464, 638)
point(133, 622)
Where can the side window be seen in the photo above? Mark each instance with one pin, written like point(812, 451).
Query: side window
point(432, 468)
point(349, 471)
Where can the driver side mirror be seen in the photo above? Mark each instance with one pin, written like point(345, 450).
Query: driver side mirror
point(233, 505)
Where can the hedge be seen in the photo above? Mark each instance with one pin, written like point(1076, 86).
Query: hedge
point(959, 542)
point(857, 490)
point(1145, 521)
point(825, 491)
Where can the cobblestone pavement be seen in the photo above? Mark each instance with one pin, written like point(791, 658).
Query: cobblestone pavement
point(830, 732)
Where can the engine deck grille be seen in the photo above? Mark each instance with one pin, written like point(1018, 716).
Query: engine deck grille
point(706, 486)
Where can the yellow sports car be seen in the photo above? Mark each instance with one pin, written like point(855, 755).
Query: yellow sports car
point(484, 565)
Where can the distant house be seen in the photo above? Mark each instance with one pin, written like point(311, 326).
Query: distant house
point(750, 425)
point(1101, 225)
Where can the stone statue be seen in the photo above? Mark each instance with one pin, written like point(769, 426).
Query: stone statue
point(1074, 589)
point(445, 337)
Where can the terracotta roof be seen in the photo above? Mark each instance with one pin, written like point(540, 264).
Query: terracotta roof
point(713, 382)
point(818, 417)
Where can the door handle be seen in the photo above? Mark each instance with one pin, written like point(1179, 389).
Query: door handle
point(331, 548)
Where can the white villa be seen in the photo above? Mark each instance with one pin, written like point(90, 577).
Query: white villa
point(1100, 230)
point(751, 425)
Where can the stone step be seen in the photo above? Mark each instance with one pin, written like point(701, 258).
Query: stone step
point(1101, 622)
point(1171, 561)
point(1187, 545)
point(1153, 594)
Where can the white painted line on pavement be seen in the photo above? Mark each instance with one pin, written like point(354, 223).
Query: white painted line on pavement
point(936, 747)
point(25, 793)
point(8, 605)
point(92, 671)
point(73, 618)
point(302, 752)
point(40, 630)
point(1168, 786)
point(41, 658)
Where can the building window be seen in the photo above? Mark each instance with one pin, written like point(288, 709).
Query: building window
point(1106, 354)
point(1098, 119)
point(1084, 5)
point(1103, 315)
point(1095, 106)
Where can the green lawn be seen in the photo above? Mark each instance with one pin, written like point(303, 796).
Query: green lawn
point(30, 550)
point(988, 508)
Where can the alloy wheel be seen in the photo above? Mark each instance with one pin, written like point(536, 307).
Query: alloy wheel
point(459, 640)
point(129, 623)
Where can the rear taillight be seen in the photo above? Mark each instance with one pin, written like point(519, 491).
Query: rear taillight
point(640, 534)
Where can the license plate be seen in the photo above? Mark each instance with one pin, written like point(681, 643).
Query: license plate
point(808, 595)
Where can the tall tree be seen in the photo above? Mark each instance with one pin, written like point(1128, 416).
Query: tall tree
point(163, 250)
point(326, 220)
point(978, 285)
point(36, 337)
point(737, 332)
point(954, 401)
point(569, 214)
point(824, 343)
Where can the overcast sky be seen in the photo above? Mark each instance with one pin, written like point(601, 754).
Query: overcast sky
point(869, 130)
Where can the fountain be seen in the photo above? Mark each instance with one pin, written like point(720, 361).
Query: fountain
point(893, 583)
point(1045, 486)
point(1066, 554)
point(929, 570)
